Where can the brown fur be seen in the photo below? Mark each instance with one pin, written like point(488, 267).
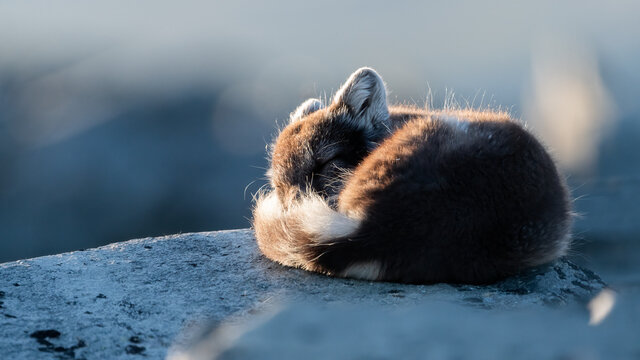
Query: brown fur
point(403, 194)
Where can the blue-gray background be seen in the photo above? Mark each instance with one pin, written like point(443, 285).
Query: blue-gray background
point(121, 120)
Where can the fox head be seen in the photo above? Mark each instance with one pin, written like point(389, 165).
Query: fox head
point(321, 143)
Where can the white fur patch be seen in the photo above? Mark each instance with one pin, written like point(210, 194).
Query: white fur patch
point(306, 108)
point(324, 223)
point(455, 122)
point(312, 214)
point(365, 271)
point(268, 206)
point(564, 245)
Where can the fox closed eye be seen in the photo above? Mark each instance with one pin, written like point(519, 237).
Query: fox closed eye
point(331, 167)
point(324, 165)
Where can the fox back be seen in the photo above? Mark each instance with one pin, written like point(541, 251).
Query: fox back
point(394, 193)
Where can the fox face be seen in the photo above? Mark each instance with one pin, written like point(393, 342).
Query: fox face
point(320, 145)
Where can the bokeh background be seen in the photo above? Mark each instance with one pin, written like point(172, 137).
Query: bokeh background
point(121, 120)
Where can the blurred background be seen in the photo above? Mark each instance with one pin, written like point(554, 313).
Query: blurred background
point(121, 120)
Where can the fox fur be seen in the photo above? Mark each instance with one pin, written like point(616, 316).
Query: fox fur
point(366, 190)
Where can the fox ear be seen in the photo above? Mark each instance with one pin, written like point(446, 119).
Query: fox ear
point(365, 96)
point(306, 108)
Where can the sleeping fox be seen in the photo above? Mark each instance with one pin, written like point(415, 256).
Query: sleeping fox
point(365, 190)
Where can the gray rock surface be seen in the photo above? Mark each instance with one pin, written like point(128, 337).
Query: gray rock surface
point(439, 330)
point(136, 298)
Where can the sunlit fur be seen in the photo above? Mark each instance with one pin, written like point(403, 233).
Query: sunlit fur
point(397, 193)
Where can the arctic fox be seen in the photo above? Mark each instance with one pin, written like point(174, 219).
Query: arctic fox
point(365, 190)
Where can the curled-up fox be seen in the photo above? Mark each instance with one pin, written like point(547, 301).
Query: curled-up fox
point(365, 190)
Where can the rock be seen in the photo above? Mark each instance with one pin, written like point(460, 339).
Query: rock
point(436, 330)
point(135, 298)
